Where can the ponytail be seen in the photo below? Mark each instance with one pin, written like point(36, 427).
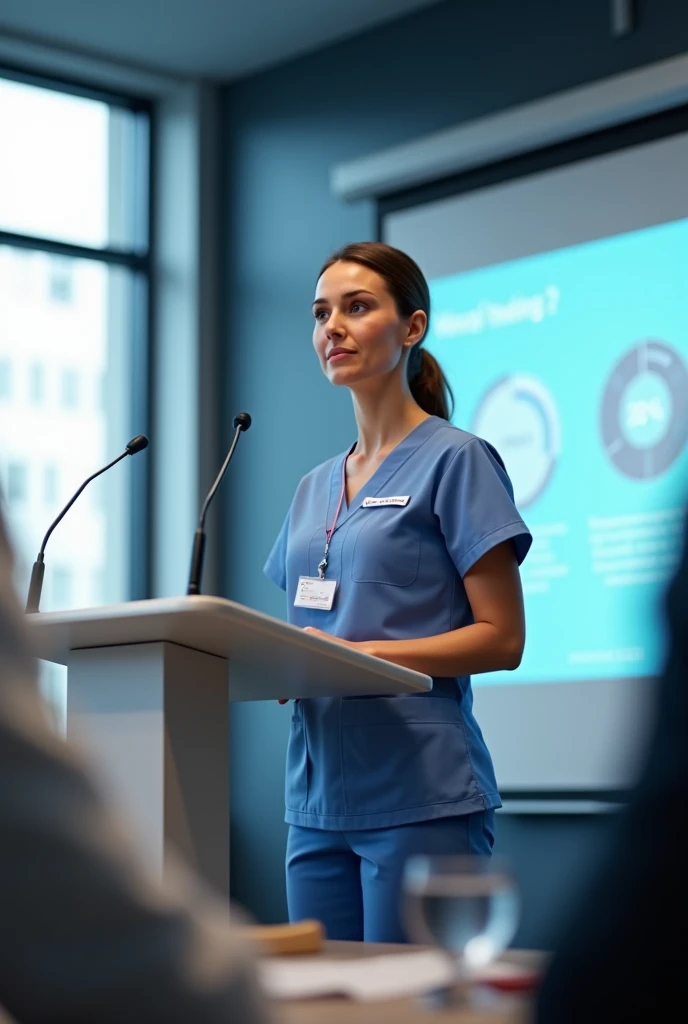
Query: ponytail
point(429, 387)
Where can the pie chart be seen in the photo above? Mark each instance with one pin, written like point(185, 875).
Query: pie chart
point(519, 417)
point(644, 413)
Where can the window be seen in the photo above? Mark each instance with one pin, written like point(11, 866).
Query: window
point(77, 176)
point(5, 378)
point(16, 483)
point(70, 389)
point(37, 384)
point(74, 284)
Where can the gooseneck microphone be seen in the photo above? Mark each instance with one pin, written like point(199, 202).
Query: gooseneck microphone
point(241, 422)
point(137, 444)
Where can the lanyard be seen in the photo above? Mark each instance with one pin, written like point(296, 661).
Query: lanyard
point(322, 566)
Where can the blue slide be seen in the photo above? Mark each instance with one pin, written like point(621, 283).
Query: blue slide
point(573, 364)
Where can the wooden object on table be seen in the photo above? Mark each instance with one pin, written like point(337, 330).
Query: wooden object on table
point(302, 937)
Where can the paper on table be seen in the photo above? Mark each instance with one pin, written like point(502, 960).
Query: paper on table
point(391, 976)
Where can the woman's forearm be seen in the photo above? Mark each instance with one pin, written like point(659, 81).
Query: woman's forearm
point(480, 647)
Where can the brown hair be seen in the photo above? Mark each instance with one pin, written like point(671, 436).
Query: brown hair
point(406, 284)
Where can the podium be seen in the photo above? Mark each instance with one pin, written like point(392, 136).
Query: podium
point(149, 687)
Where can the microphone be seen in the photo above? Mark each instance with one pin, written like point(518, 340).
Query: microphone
point(137, 444)
point(241, 422)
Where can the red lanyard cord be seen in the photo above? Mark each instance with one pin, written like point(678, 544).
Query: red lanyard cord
point(322, 566)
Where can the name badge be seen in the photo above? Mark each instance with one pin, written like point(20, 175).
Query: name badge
point(396, 499)
point(312, 592)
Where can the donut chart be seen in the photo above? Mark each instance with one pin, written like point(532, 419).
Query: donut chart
point(643, 418)
point(519, 417)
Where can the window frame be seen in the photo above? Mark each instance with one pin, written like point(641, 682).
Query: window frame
point(138, 259)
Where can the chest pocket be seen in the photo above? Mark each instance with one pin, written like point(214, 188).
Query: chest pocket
point(386, 549)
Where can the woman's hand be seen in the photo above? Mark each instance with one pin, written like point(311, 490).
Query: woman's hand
point(365, 647)
point(328, 636)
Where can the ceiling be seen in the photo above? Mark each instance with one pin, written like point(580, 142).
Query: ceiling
point(218, 39)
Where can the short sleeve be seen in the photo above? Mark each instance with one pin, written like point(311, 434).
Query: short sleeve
point(276, 566)
point(475, 506)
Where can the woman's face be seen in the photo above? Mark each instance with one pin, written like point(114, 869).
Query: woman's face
point(358, 332)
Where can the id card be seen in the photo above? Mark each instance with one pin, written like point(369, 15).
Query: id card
point(312, 592)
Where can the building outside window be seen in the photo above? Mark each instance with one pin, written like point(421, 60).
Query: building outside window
point(5, 378)
point(61, 280)
point(17, 483)
point(70, 388)
point(37, 384)
point(50, 485)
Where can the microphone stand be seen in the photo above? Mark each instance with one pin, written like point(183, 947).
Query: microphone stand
point(241, 422)
point(137, 444)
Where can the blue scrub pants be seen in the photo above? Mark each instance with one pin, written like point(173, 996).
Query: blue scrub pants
point(352, 881)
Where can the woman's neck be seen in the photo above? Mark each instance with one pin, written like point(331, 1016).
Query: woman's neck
point(384, 418)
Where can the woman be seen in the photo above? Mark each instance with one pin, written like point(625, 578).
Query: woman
point(406, 547)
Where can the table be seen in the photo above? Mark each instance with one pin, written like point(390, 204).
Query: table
point(512, 1009)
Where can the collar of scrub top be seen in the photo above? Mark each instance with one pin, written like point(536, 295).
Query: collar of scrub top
point(389, 465)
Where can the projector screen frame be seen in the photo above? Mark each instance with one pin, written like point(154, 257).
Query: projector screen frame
point(524, 165)
point(531, 127)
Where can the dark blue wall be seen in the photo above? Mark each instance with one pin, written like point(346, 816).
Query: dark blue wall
point(284, 130)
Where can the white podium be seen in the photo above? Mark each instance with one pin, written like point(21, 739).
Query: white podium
point(148, 686)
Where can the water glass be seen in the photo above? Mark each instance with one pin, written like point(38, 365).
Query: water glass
point(468, 906)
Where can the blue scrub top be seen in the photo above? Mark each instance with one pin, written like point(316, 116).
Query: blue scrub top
point(374, 762)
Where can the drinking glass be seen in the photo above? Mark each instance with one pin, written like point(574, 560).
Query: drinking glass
point(468, 906)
